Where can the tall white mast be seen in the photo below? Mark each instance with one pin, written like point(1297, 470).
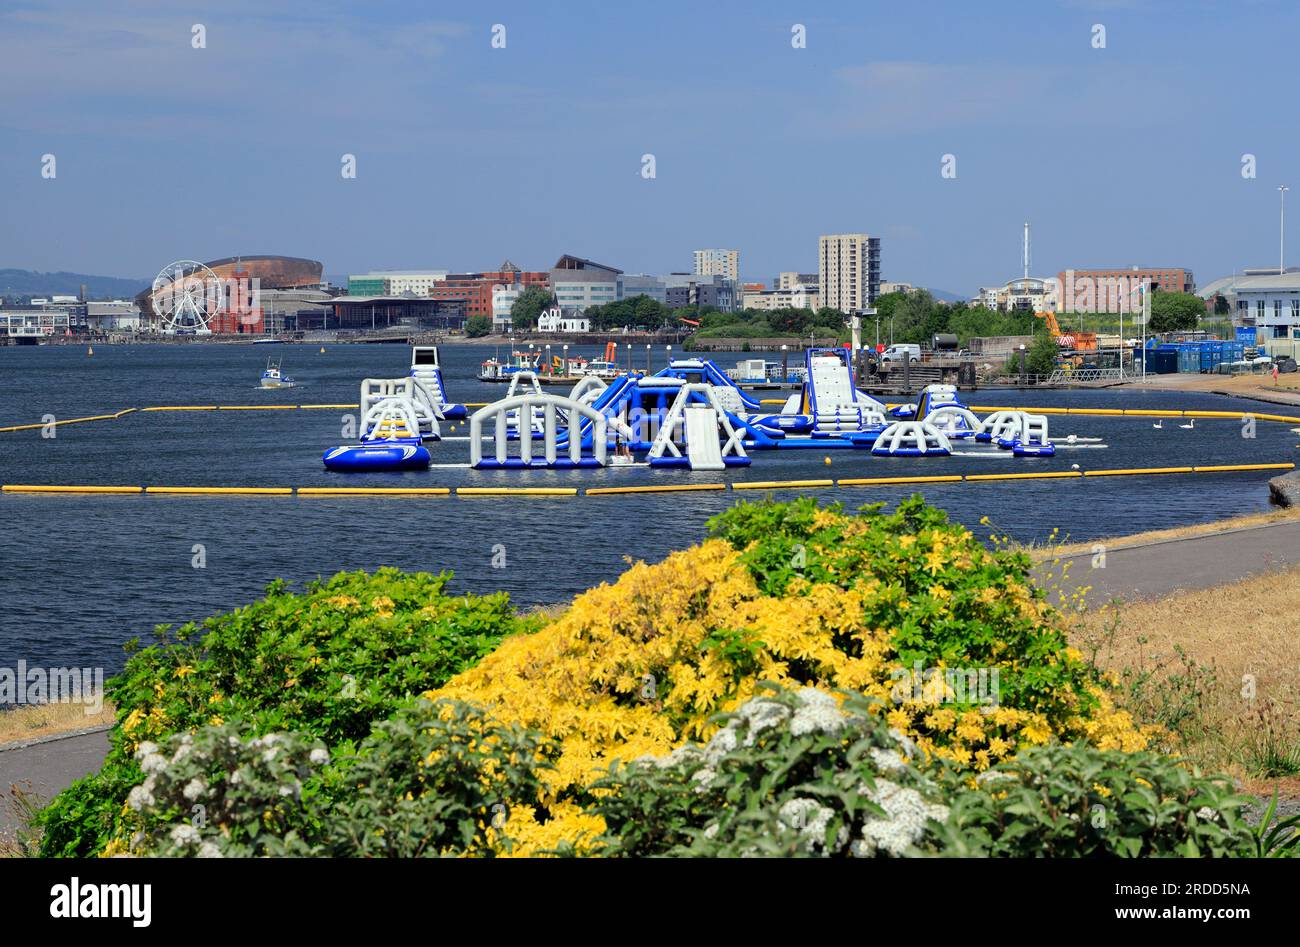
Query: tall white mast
point(1026, 249)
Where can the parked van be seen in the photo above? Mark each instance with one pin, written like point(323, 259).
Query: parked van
point(897, 353)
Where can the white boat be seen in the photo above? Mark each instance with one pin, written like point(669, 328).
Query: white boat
point(597, 369)
point(274, 378)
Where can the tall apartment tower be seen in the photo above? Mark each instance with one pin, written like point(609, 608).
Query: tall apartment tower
point(724, 263)
point(848, 270)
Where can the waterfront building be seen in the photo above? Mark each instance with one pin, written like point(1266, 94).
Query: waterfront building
point(579, 283)
point(724, 263)
point(117, 315)
point(687, 289)
point(372, 313)
point(642, 284)
point(796, 297)
point(1270, 303)
point(848, 270)
point(490, 293)
point(395, 282)
point(892, 286)
point(556, 319)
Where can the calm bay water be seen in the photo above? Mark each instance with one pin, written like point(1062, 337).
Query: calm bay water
point(83, 574)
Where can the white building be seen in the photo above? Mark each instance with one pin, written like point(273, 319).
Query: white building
point(1029, 294)
point(397, 282)
point(796, 297)
point(556, 320)
point(503, 299)
point(718, 263)
point(1270, 303)
point(119, 315)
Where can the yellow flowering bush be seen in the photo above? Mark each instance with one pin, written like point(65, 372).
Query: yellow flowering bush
point(904, 607)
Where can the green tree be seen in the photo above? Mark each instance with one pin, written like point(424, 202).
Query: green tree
point(1041, 356)
point(1175, 312)
point(1221, 307)
point(477, 326)
point(530, 304)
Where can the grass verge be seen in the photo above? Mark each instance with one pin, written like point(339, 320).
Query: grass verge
point(1219, 668)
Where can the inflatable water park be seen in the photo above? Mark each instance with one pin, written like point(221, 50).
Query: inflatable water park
point(689, 415)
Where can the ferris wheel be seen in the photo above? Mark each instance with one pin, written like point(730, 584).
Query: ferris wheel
point(186, 294)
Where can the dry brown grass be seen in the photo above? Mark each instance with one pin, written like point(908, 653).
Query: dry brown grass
point(32, 721)
point(1190, 658)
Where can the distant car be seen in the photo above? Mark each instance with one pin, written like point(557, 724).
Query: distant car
point(897, 353)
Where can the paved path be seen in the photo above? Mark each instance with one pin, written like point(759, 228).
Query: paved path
point(1161, 568)
point(43, 769)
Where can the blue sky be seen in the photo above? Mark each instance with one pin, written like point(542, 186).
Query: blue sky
point(467, 154)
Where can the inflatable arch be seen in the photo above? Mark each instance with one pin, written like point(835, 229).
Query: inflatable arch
point(954, 420)
point(912, 439)
point(374, 391)
point(553, 413)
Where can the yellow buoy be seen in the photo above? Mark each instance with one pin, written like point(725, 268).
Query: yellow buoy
point(322, 350)
point(90, 350)
point(826, 461)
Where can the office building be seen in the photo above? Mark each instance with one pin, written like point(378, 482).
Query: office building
point(579, 283)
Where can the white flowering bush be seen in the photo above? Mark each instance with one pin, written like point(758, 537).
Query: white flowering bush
point(792, 773)
point(221, 792)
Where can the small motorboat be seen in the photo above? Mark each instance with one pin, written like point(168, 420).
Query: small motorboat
point(274, 378)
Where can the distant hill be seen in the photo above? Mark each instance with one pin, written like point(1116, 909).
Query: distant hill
point(944, 296)
point(34, 283)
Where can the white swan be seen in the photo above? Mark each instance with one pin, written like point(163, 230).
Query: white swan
point(1189, 425)
point(1159, 424)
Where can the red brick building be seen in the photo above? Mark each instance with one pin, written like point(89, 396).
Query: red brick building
point(1167, 279)
point(474, 290)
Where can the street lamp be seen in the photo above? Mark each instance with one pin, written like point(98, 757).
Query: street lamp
point(647, 358)
point(566, 361)
point(669, 356)
point(1281, 236)
point(1022, 363)
point(629, 358)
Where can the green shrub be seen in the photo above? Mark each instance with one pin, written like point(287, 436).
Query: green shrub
point(440, 778)
point(1077, 802)
point(329, 662)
